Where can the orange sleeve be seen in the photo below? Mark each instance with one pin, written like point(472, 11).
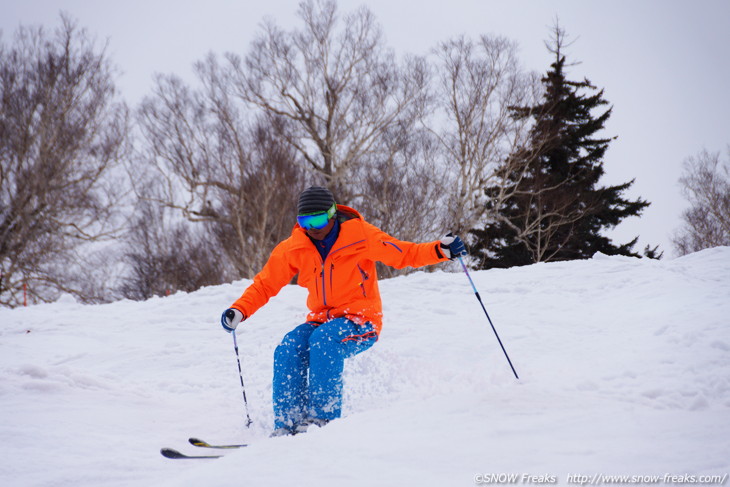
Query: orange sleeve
point(398, 253)
point(276, 274)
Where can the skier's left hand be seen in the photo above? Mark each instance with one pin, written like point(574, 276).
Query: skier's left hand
point(452, 246)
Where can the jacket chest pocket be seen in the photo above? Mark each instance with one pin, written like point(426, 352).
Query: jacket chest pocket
point(364, 276)
point(309, 273)
point(346, 277)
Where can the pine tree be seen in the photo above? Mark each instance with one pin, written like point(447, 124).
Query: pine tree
point(550, 206)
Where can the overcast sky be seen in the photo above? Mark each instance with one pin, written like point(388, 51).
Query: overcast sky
point(664, 64)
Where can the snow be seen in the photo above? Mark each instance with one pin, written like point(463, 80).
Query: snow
point(624, 369)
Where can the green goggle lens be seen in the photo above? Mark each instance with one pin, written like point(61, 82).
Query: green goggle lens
point(317, 220)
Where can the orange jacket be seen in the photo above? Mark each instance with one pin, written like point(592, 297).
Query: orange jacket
point(345, 284)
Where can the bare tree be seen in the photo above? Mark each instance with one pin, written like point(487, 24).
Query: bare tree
point(337, 85)
point(402, 186)
point(705, 183)
point(479, 83)
point(164, 256)
point(61, 132)
point(262, 211)
point(217, 164)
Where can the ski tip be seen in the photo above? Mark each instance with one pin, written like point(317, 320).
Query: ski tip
point(204, 444)
point(176, 455)
point(171, 453)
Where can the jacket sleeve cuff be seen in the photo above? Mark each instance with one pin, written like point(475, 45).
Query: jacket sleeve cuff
point(245, 315)
point(439, 253)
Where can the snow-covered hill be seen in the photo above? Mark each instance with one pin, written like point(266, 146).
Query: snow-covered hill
point(624, 369)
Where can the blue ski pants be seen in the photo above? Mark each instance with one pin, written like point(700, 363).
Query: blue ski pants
point(308, 366)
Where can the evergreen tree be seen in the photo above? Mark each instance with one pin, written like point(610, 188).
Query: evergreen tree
point(550, 206)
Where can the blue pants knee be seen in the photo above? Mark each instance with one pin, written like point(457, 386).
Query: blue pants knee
point(308, 366)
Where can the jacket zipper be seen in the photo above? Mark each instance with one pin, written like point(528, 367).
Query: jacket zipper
point(332, 272)
point(324, 288)
point(324, 281)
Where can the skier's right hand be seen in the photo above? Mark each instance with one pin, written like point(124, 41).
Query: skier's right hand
point(231, 318)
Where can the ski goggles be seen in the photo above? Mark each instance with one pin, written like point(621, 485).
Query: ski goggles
point(317, 220)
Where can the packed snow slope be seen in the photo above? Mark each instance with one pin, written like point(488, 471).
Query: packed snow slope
point(624, 369)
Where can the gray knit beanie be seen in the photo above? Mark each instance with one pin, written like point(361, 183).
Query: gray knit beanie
point(314, 199)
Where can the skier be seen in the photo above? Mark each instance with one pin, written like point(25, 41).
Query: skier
point(334, 250)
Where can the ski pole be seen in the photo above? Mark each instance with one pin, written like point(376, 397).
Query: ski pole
point(240, 375)
point(463, 266)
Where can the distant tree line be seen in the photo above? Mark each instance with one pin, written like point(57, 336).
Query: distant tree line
point(195, 186)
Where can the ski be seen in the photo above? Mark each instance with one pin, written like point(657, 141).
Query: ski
point(176, 455)
point(204, 444)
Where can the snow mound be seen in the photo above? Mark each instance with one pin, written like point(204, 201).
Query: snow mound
point(624, 368)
